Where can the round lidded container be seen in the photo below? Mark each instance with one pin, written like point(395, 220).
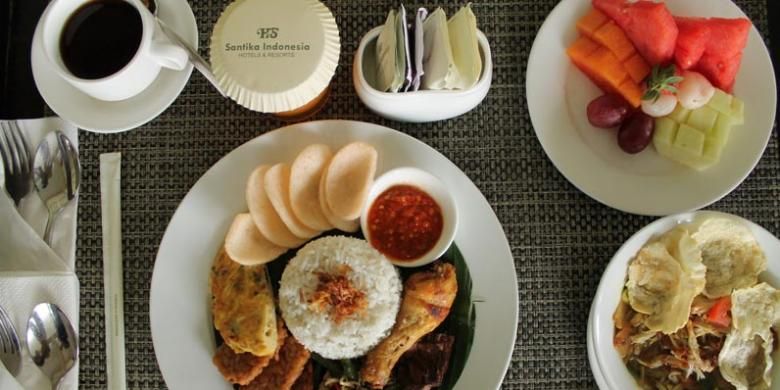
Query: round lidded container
point(276, 56)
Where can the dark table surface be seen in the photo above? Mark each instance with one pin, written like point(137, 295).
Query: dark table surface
point(561, 239)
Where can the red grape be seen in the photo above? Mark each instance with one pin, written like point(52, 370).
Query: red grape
point(608, 111)
point(636, 133)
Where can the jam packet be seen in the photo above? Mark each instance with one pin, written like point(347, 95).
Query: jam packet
point(438, 64)
point(419, 48)
point(465, 48)
point(389, 73)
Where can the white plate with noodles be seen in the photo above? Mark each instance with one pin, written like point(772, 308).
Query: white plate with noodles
point(180, 310)
point(608, 367)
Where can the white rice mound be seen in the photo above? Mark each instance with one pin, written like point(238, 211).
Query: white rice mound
point(371, 273)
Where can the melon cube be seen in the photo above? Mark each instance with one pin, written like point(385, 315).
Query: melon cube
point(738, 111)
point(703, 119)
point(690, 140)
point(680, 114)
point(721, 102)
point(665, 130)
point(712, 151)
point(722, 129)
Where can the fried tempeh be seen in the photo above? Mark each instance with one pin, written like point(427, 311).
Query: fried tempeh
point(306, 380)
point(428, 296)
point(242, 368)
point(282, 372)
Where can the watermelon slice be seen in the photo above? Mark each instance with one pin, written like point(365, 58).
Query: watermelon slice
point(649, 25)
point(691, 41)
point(723, 50)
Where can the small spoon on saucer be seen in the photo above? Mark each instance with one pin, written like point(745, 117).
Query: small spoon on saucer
point(197, 61)
point(52, 342)
point(56, 174)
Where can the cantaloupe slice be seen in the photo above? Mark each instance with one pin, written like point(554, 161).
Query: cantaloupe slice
point(608, 67)
point(637, 68)
point(606, 55)
point(631, 92)
point(613, 38)
point(581, 48)
point(588, 24)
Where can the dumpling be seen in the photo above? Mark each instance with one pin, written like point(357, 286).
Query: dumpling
point(755, 310)
point(663, 279)
point(746, 362)
point(731, 254)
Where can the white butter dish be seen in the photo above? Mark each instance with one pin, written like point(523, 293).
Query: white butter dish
point(417, 106)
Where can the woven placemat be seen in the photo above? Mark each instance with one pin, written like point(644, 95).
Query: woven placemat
point(560, 238)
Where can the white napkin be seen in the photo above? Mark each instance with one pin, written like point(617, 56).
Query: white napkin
point(30, 271)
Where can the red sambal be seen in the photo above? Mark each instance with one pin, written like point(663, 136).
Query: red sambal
point(404, 222)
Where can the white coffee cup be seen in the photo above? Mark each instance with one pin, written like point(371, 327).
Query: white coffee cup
point(154, 53)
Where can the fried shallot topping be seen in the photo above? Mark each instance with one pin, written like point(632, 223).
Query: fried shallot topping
point(336, 295)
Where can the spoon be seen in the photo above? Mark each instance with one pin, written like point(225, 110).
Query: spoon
point(51, 341)
point(56, 174)
point(197, 61)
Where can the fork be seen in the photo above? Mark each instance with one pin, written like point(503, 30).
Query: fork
point(10, 352)
point(16, 161)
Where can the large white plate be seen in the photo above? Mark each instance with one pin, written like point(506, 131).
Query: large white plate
point(101, 116)
point(558, 94)
point(182, 329)
point(605, 363)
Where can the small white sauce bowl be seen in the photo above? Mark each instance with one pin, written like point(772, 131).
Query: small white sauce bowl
point(417, 106)
point(432, 186)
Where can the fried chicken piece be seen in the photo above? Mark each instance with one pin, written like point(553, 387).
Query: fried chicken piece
point(428, 296)
point(306, 380)
point(242, 368)
point(282, 372)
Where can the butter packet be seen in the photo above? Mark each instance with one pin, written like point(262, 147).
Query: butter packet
point(438, 63)
point(386, 48)
point(405, 50)
point(419, 48)
point(465, 48)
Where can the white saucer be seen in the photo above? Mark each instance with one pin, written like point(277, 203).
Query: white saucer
point(558, 94)
point(100, 116)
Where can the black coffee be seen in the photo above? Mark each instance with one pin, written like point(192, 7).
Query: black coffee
point(100, 38)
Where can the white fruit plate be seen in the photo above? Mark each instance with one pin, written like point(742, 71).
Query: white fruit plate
point(645, 183)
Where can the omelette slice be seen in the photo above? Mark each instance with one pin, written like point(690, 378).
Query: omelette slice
point(242, 304)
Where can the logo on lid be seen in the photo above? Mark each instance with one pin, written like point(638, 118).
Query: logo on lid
point(267, 32)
